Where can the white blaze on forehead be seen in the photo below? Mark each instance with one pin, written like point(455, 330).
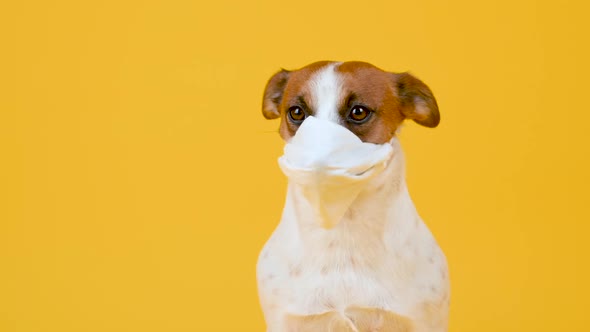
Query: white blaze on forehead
point(326, 93)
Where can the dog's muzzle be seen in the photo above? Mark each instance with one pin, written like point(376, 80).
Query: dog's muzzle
point(331, 165)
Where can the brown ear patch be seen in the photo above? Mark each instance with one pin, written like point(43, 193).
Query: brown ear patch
point(416, 100)
point(273, 94)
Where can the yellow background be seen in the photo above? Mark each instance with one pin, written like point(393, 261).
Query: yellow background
point(139, 180)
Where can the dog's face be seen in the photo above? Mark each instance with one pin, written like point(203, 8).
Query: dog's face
point(370, 102)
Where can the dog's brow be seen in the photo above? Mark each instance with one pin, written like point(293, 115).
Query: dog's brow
point(301, 100)
point(350, 98)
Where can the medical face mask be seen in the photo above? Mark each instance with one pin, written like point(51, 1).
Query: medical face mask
point(331, 165)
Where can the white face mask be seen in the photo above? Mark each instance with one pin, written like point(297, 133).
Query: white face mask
point(331, 165)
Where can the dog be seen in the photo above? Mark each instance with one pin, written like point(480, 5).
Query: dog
point(379, 268)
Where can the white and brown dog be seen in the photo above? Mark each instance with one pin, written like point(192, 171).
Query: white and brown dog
point(375, 266)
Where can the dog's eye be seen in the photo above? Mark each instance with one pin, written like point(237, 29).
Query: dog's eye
point(296, 114)
point(359, 114)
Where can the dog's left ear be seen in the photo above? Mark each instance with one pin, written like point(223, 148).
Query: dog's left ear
point(273, 94)
point(417, 101)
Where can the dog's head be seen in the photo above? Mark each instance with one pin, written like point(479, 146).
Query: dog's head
point(370, 102)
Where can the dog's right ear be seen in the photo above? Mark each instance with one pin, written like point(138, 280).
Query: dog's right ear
point(273, 94)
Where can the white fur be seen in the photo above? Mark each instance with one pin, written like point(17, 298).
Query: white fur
point(326, 91)
point(381, 255)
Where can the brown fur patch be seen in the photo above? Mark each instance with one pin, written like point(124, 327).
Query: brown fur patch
point(295, 271)
point(391, 98)
point(369, 86)
point(273, 94)
point(417, 101)
point(296, 94)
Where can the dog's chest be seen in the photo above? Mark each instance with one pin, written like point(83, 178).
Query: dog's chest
point(331, 279)
point(328, 272)
point(379, 265)
point(341, 272)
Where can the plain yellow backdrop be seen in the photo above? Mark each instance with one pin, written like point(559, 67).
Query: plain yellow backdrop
point(138, 178)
